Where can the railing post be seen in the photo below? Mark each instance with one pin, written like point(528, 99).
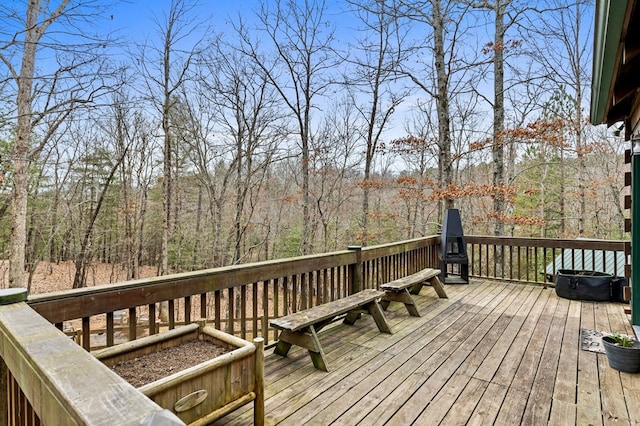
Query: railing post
point(355, 270)
point(4, 395)
point(7, 297)
point(258, 402)
point(635, 232)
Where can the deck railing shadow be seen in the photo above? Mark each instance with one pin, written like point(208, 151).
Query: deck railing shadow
point(241, 299)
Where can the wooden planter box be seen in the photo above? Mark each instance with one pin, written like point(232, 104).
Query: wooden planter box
point(208, 391)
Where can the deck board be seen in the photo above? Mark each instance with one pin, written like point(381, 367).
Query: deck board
point(538, 409)
point(563, 407)
point(588, 397)
point(493, 353)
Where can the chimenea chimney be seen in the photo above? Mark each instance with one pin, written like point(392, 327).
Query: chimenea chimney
point(453, 249)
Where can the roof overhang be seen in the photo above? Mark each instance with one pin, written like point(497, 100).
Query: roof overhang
point(616, 61)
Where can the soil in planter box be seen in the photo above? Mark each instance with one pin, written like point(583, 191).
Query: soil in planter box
point(154, 366)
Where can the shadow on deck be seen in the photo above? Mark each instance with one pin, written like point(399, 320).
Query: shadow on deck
point(493, 353)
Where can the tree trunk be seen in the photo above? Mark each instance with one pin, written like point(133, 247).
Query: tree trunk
point(80, 278)
point(196, 244)
point(166, 166)
point(498, 116)
point(21, 148)
point(34, 28)
point(562, 190)
point(582, 167)
point(442, 102)
point(306, 216)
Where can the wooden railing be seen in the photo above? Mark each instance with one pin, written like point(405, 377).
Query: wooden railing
point(526, 260)
point(238, 299)
point(241, 299)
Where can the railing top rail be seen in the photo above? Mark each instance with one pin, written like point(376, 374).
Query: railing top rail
point(71, 304)
point(587, 244)
point(260, 270)
point(372, 252)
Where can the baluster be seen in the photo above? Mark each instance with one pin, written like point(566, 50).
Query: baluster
point(243, 311)
point(332, 283)
point(187, 310)
point(254, 308)
point(501, 254)
point(217, 309)
point(511, 262)
point(110, 329)
point(133, 320)
point(203, 305)
point(528, 265)
point(325, 286)
point(230, 311)
point(265, 310)
point(472, 260)
point(305, 291)
point(172, 314)
point(535, 267)
point(152, 318)
point(545, 260)
point(285, 289)
point(86, 333)
point(294, 294)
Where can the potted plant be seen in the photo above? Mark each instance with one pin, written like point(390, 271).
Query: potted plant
point(623, 353)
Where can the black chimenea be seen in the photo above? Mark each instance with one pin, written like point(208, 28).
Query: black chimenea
point(453, 248)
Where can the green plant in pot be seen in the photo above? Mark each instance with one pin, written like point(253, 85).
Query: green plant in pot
point(623, 353)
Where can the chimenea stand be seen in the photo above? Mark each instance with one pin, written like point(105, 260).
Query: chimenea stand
point(453, 249)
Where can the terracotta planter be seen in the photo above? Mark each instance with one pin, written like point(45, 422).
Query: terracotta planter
point(625, 359)
point(203, 393)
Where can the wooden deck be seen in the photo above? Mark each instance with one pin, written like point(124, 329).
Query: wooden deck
point(492, 353)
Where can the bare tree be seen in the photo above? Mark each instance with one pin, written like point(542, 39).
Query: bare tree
point(207, 155)
point(377, 58)
point(420, 154)
point(46, 219)
point(165, 68)
point(506, 14)
point(447, 77)
point(105, 168)
point(234, 96)
point(564, 45)
point(301, 38)
point(132, 135)
point(335, 160)
point(499, 8)
point(53, 92)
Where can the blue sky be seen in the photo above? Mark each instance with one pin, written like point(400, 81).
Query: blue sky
point(135, 18)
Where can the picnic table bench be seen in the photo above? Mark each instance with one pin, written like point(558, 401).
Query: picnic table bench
point(400, 290)
point(301, 328)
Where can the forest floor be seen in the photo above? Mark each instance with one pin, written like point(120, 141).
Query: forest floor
point(59, 276)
